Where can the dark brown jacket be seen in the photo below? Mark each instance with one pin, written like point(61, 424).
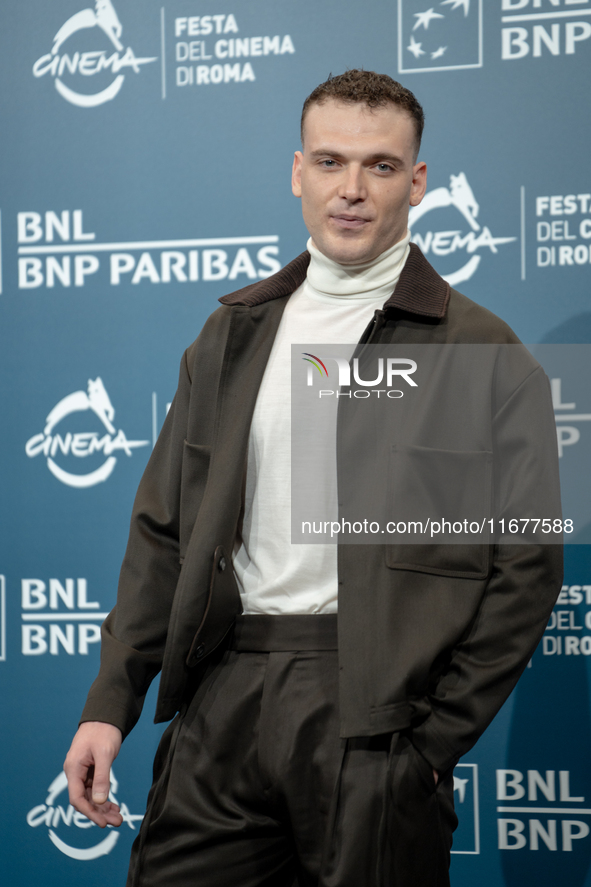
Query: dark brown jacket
point(425, 642)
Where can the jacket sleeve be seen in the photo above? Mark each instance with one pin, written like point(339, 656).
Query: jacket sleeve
point(524, 583)
point(134, 633)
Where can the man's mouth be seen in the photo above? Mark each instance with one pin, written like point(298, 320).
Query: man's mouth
point(349, 221)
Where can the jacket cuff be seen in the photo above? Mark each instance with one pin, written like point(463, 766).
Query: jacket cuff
point(94, 710)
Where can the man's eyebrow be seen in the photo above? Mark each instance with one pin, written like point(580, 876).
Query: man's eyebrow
point(392, 158)
point(372, 158)
point(320, 152)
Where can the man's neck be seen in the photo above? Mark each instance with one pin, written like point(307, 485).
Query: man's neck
point(333, 278)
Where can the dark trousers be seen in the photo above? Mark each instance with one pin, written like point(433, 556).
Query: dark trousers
point(253, 787)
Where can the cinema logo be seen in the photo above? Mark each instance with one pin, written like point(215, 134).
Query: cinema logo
point(450, 209)
point(80, 66)
point(54, 249)
point(386, 371)
point(68, 830)
point(82, 444)
point(557, 823)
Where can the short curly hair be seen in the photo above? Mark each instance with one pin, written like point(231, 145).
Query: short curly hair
point(374, 90)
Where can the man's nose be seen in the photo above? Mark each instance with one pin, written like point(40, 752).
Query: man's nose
point(352, 184)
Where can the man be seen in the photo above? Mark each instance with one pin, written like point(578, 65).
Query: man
point(297, 759)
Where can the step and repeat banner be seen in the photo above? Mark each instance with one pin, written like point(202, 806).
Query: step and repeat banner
point(146, 153)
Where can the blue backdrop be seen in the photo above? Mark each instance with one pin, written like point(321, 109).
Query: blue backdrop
point(146, 152)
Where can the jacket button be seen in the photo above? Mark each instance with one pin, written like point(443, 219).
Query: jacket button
point(222, 564)
point(200, 650)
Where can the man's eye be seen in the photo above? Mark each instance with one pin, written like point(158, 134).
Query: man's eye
point(384, 167)
point(329, 163)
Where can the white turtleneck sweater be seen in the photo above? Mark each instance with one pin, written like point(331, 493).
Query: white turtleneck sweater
point(333, 306)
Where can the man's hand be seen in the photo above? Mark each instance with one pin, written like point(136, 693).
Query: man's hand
point(88, 765)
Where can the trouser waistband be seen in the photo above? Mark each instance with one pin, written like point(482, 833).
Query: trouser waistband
point(262, 633)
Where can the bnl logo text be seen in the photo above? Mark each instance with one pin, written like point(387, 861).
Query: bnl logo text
point(527, 36)
point(67, 228)
point(567, 435)
point(554, 827)
point(58, 618)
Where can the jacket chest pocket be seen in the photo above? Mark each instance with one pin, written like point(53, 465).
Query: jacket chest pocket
point(441, 500)
point(196, 458)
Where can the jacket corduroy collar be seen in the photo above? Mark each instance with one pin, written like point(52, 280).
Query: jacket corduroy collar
point(420, 289)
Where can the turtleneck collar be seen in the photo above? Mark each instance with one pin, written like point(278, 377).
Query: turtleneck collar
point(333, 279)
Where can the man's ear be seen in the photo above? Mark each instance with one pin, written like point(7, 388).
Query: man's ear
point(296, 174)
point(419, 183)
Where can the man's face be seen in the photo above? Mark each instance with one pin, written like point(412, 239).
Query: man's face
point(357, 177)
